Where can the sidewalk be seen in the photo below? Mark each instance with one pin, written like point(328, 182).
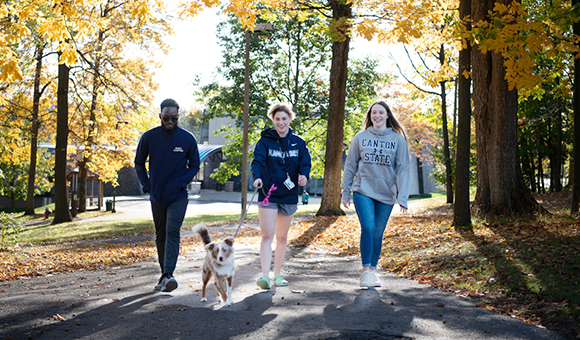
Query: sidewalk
point(323, 301)
point(206, 202)
point(209, 195)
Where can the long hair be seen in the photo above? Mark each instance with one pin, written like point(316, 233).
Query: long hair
point(392, 122)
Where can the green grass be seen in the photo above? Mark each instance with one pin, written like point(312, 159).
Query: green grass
point(79, 230)
point(40, 231)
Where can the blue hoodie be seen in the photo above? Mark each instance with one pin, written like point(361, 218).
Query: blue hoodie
point(275, 156)
point(173, 162)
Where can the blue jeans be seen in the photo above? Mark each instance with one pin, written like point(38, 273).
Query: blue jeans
point(373, 217)
point(168, 221)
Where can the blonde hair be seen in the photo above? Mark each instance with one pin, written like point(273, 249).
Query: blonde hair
point(391, 120)
point(281, 107)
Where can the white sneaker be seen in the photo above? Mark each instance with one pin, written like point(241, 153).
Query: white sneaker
point(375, 282)
point(169, 283)
point(159, 284)
point(365, 279)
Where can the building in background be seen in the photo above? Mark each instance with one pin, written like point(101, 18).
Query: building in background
point(211, 156)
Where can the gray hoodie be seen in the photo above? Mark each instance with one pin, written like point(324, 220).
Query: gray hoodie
point(377, 166)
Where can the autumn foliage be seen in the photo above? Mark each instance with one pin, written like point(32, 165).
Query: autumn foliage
point(46, 260)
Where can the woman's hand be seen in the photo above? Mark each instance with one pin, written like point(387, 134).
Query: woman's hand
point(403, 209)
point(346, 203)
point(258, 183)
point(302, 180)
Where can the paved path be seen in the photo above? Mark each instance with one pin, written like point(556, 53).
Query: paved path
point(323, 301)
point(207, 202)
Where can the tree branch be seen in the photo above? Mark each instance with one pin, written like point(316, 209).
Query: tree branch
point(408, 80)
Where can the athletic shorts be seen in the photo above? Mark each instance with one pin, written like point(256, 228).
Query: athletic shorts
point(287, 209)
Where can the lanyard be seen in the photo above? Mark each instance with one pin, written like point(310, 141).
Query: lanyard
point(283, 157)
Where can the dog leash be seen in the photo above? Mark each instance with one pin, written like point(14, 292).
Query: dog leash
point(245, 212)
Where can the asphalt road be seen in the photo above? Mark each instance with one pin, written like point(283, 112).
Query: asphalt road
point(323, 301)
point(207, 202)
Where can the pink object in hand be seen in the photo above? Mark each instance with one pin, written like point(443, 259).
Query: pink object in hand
point(266, 201)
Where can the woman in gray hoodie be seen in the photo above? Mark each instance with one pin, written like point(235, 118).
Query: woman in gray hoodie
point(377, 171)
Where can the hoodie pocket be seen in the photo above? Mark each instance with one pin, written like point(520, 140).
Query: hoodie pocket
point(172, 190)
point(281, 190)
point(376, 188)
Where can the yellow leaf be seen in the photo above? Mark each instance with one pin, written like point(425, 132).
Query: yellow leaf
point(10, 70)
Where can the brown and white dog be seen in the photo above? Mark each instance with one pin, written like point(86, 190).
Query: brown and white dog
point(219, 262)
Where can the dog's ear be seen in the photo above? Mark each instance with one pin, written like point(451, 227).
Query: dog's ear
point(209, 246)
point(229, 241)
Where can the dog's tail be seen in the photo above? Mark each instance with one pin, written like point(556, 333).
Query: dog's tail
point(202, 230)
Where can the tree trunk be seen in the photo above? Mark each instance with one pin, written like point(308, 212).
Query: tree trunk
point(297, 74)
point(61, 209)
point(331, 193)
point(556, 177)
point(34, 131)
point(570, 173)
point(83, 175)
point(501, 189)
point(461, 211)
point(420, 176)
point(549, 142)
point(527, 168)
point(541, 188)
point(87, 154)
point(446, 154)
point(454, 128)
point(576, 108)
point(533, 173)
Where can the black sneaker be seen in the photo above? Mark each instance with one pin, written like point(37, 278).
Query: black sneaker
point(169, 283)
point(159, 284)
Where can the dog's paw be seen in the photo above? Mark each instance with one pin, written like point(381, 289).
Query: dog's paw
point(229, 302)
point(203, 299)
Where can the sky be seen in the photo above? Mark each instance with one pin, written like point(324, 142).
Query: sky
point(195, 51)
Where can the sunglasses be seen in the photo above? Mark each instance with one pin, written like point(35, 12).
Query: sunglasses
point(172, 118)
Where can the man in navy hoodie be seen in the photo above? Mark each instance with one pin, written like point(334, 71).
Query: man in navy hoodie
point(173, 162)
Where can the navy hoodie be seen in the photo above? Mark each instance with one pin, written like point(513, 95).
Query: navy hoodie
point(173, 162)
point(274, 157)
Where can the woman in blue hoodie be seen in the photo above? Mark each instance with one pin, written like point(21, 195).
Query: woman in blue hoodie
point(281, 164)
